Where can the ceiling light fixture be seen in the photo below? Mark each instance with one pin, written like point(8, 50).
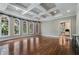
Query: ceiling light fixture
point(16, 8)
point(68, 11)
point(54, 11)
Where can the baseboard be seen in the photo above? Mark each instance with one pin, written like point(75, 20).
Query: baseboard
point(51, 36)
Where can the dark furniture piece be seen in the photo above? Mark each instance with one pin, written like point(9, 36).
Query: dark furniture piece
point(75, 44)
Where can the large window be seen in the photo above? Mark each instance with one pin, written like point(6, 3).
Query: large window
point(30, 28)
point(16, 26)
point(36, 28)
point(12, 26)
point(4, 28)
point(24, 27)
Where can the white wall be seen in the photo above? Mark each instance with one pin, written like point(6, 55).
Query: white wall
point(77, 20)
point(50, 28)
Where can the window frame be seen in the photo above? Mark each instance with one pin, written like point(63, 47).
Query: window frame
point(8, 25)
point(14, 26)
point(26, 27)
point(37, 28)
point(32, 28)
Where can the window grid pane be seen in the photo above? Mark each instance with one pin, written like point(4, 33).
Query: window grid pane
point(24, 27)
point(16, 26)
point(4, 26)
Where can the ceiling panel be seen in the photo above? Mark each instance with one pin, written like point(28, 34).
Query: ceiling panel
point(63, 7)
point(29, 15)
point(36, 10)
point(21, 5)
point(48, 6)
point(14, 9)
point(37, 18)
point(44, 15)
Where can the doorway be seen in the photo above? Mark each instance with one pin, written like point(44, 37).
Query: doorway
point(65, 27)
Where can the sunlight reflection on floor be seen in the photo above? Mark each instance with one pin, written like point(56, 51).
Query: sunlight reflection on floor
point(37, 42)
point(63, 41)
point(25, 46)
point(16, 48)
point(31, 43)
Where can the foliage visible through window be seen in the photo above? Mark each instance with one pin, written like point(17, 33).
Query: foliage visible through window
point(24, 27)
point(16, 26)
point(4, 26)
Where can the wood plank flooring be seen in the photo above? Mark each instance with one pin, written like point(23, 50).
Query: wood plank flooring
point(37, 45)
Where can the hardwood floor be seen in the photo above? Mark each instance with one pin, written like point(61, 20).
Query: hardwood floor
point(37, 45)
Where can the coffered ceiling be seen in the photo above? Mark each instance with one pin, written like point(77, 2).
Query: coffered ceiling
point(40, 11)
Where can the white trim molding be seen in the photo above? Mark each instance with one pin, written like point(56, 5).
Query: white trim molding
point(50, 36)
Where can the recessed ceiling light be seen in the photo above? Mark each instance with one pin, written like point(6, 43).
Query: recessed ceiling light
point(54, 11)
point(68, 11)
point(16, 8)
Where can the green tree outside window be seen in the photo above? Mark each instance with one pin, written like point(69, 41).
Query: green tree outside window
point(4, 26)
